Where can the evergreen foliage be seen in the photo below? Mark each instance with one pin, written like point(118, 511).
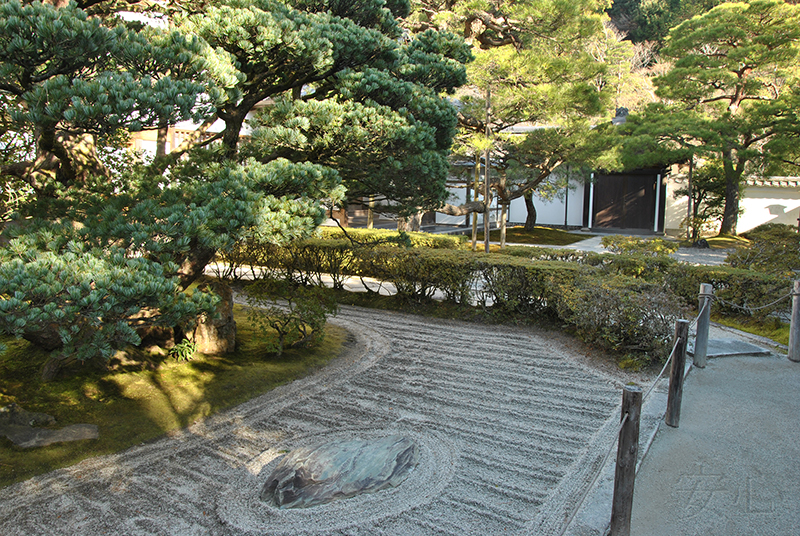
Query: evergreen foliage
point(351, 107)
point(545, 66)
point(773, 249)
point(730, 95)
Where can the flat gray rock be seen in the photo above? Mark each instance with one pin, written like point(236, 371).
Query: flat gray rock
point(28, 437)
point(729, 348)
point(310, 476)
point(13, 414)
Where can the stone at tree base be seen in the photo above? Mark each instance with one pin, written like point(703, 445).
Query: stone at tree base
point(158, 335)
point(311, 476)
point(217, 335)
point(45, 337)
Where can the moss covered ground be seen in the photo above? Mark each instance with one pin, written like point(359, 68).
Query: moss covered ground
point(143, 396)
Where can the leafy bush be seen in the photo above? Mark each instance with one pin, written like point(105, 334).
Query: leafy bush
point(621, 314)
point(648, 267)
point(637, 245)
point(589, 258)
point(306, 262)
point(517, 286)
point(298, 320)
point(250, 258)
point(420, 273)
point(400, 238)
point(738, 291)
point(774, 249)
point(184, 350)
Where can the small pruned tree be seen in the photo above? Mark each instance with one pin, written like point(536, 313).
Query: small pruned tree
point(296, 313)
point(707, 197)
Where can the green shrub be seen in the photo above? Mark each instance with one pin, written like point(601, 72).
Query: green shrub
point(515, 285)
point(648, 267)
point(773, 249)
point(738, 291)
point(589, 258)
point(420, 273)
point(638, 245)
point(400, 238)
point(248, 259)
point(621, 314)
point(298, 319)
point(307, 261)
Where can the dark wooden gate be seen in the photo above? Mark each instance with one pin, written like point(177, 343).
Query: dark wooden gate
point(627, 201)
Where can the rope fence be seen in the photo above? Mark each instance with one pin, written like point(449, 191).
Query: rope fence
point(627, 433)
point(663, 369)
point(625, 476)
point(617, 434)
point(596, 476)
point(750, 310)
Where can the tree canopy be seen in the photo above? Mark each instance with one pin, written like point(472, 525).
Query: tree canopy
point(350, 107)
point(536, 59)
point(731, 95)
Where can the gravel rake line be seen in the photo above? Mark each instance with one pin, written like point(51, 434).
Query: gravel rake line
point(512, 424)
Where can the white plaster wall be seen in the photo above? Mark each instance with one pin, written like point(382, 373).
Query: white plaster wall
point(676, 209)
point(458, 196)
point(551, 212)
point(759, 205)
point(768, 204)
point(548, 212)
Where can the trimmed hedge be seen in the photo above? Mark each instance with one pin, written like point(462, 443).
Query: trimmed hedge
point(648, 267)
point(400, 238)
point(625, 303)
point(518, 286)
point(589, 258)
point(420, 273)
point(774, 248)
point(620, 313)
point(639, 246)
point(738, 291)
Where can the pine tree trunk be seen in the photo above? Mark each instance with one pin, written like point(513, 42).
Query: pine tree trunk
point(503, 218)
point(730, 214)
point(53, 366)
point(411, 223)
point(475, 187)
point(161, 139)
point(530, 219)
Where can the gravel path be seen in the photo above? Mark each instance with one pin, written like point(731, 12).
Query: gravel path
point(511, 428)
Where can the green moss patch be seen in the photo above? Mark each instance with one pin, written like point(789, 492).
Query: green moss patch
point(544, 236)
point(145, 396)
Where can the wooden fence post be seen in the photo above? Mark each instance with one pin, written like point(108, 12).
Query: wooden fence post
point(794, 329)
point(627, 454)
point(703, 324)
point(673, 415)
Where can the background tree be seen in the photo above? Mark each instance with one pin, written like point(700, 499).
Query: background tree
point(730, 94)
point(707, 196)
point(650, 20)
point(534, 58)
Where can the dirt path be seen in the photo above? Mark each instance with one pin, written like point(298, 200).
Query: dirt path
point(510, 423)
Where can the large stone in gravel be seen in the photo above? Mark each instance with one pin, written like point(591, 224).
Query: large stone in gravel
point(29, 437)
point(311, 476)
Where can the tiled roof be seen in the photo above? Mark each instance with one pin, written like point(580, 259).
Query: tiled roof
point(775, 182)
